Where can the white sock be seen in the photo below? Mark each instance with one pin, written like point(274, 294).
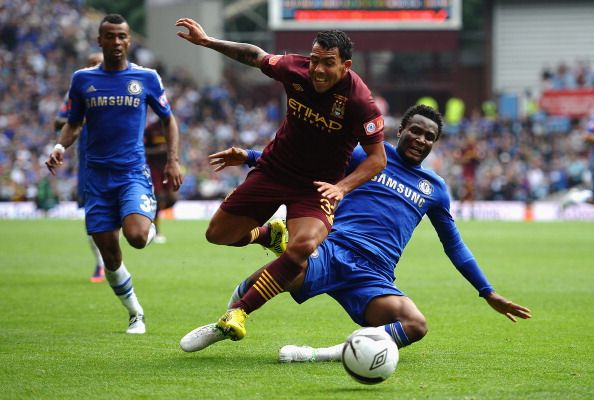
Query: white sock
point(96, 252)
point(151, 234)
point(333, 353)
point(120, 281)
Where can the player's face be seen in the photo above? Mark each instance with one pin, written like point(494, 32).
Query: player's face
point(114, 39)
point(417, 139)
point(326, 68)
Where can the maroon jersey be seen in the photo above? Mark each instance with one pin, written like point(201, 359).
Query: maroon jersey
point(320, 130)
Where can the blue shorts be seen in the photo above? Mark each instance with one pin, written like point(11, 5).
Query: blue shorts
point(352, 280)
point(111, 195)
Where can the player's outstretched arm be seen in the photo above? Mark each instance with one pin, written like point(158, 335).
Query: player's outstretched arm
point(507, 307)
point(172, 170)
point(245, 53)
point(227, 158)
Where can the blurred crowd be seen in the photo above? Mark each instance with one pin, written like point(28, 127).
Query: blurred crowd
point(514, 160)
point(564, 76)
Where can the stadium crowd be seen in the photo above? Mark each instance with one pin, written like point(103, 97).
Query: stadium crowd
point(517, 160)
point(564, 76)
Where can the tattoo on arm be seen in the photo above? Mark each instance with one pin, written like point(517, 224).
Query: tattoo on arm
point(245, 53)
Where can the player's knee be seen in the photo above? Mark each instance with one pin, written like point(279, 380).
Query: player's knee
point(136, 238)
point(301, 249)
point(415, 329)
point(213, 236)
point(137, 241)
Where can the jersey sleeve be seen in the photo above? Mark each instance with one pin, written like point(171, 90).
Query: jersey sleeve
point(156, 97)
point(369, 125)
point(64, 109)
point(276, 66)
point(454, 247)
point(76, 103)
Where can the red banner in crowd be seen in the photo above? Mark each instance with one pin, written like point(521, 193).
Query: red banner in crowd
point(570, 103)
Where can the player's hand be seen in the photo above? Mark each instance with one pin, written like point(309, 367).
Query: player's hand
point(173, 174)
point(330, 191)
point(195, 33)
point(507, 307)
point(228, 158)
point(55, 159)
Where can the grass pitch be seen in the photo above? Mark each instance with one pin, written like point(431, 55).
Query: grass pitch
point(63, 337)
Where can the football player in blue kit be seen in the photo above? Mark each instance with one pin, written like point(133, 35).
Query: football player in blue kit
point(112, 99)
point(373, 223)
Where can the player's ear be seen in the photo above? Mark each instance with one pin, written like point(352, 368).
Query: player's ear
point(348, 64)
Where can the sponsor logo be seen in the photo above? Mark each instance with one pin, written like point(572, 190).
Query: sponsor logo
point(308, 114)
point(105, 101)
point(134, 87)
point(407, 192)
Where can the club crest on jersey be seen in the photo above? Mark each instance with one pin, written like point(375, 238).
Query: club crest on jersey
point(134, 87)
point(339, 106)
point(163, 100)
point(425, 187)
point(374, 126)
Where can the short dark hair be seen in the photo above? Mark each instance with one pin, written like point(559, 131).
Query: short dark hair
point(334, 38)
point(425, 111)
point(112, 19)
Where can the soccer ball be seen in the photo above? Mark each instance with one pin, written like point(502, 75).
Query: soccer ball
point(370, 355)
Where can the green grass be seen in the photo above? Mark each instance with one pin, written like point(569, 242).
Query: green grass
point(62, 337)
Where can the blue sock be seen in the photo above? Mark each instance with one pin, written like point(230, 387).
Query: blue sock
point(397, 332)
point(244, 286)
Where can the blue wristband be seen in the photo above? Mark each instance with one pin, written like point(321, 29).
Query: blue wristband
point(252, 157)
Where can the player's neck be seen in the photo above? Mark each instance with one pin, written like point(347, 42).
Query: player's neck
point(118, 66)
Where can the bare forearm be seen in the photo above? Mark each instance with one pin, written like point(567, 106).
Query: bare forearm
point(69, 134)
point(172, 137)
point(370, 167)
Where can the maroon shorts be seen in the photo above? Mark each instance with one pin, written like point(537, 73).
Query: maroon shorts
point(259, 196)
point(158, 176)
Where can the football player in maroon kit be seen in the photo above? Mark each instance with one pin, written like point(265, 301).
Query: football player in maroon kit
point(155, 148)
point(329, 111)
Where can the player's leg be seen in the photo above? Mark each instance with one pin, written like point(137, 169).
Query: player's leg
point(137, 208)
point(399, 316)
point(241, 218)
point(309, 219)
point(119, 278)
point(305, 234)
point(105, 202)
point(99, 274)
point(138, 230)
point(159, 237)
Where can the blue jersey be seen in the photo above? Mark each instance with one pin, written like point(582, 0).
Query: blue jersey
point(114, 106)
point(377, 219)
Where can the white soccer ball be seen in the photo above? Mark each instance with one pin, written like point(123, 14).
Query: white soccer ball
point(370, 355)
